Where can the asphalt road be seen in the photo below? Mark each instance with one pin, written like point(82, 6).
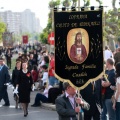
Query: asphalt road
point(11, 113)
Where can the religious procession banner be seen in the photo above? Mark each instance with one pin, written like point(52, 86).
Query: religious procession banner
point(7, 39)
point(78, 47)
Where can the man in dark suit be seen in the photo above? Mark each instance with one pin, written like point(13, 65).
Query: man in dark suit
point(92, 95)
point(66, 104)
point(4, 79)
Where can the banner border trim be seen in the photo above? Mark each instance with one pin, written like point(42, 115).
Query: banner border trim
point(84, 86)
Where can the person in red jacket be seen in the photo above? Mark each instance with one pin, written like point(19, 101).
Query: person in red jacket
point(52, 79)
point(34, 73)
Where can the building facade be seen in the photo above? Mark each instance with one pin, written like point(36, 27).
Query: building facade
point(21, 22)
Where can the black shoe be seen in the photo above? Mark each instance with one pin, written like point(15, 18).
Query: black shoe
point(25, 115)
point(6, 105)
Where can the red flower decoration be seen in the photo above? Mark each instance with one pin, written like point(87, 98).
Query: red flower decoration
point(28, 74)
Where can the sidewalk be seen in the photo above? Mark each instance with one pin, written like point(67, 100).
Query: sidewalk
point(48, 106)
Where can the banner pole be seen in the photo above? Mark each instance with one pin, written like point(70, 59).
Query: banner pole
point(79, 104)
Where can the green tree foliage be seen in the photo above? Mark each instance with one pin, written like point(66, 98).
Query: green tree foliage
point(44, 36)
point(74, 3)
point(119, 39)
point(111, 20)
point(100, 2)
point(28, 34)
point(52, 4)
point(112, 25)
point(2, 29)
point(86, 2)
point(48, 29)
point(66, 3)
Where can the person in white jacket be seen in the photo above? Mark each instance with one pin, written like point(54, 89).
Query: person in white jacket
point(107, 53)
point(42, 97)
point(45, 74)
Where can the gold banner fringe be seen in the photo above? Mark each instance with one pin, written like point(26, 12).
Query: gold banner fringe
point(84, 86)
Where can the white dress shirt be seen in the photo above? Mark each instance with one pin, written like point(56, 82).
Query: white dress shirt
point(72, 100)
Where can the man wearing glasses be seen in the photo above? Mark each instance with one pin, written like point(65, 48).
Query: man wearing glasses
point(67, 104)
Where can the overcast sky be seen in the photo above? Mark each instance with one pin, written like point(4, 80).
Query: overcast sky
point(40, 7)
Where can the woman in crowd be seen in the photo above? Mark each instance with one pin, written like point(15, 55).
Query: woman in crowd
point(8, 58)
point(24, 85)
point(15, 74)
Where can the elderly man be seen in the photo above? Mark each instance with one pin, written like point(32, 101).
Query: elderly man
point(66, 105)
point(4, 79)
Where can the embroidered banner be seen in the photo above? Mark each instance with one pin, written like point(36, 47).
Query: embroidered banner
point(7, 39)
point(78, 47)
point(25, 39)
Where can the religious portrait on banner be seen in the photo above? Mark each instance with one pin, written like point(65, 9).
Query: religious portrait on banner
point(78, 46)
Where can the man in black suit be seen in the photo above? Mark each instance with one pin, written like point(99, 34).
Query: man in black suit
point(66, 104)
point(4, 79)
point(92, 95)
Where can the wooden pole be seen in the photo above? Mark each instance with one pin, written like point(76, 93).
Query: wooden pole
point(78, 104)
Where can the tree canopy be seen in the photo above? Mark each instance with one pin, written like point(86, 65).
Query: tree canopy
point(111, 19)
point(2, 29)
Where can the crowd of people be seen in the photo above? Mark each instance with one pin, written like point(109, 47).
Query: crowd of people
point(101, 99)
point(35, 69)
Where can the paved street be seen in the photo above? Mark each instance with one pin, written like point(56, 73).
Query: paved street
point(10, 113)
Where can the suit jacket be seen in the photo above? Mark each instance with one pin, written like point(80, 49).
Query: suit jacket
point(65, 109)
point(4, 76)
point(92, 97)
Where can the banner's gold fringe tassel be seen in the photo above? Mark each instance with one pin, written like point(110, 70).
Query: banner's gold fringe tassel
point(84, 86)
